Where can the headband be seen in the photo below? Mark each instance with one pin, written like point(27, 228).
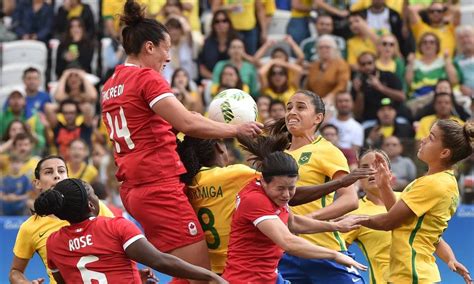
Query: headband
point(280, 173)
point(78, 182)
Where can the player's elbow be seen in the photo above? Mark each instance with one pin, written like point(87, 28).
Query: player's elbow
point(290, 244)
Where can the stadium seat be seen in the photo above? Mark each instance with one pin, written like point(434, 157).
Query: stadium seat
point(25, 51)
point(279, 22)
point(467, 12)
point(12, 73)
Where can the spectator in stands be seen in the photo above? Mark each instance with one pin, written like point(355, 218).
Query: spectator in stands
point(324, 25)
point(263, 106)
point(23, 149)
point(280, 49)
point(247, 70)
point(276, 82)
point(245, 15)
point(389, 58)
point(216, 44)
point(423, 73)
point(74, 9)
point(464, 61)
point(444, 32)
point(33, 20)
point(67, 130)
point(189, 96)
point(14, 189)
point(277, 110)
point(371, 85)
point(330, 74)
point(77, 162)
point(387, 125)
point(181, 51)
point(76, 48)
point(403, 168)
point(16, 110)
point(351, 133)
point(331, 133)
point(35, 99)
point(442, 86)
point(298, 26)
point(339, 11)
point(16, 127)
point(74, 85)
point(443, 105)
point(229, 79)
point(384, 20)
point(6, 12)
point(363, 40)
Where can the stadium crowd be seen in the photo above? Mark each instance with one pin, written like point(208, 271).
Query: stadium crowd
point(385, 69)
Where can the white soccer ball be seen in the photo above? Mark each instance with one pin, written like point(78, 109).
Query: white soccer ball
point(233, 106)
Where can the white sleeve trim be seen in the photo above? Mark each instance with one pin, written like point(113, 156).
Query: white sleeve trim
point(159, 98)
point(263, 218)
point(132, 240)
point(54, 270)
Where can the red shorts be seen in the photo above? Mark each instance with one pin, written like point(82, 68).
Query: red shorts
point(165, 214)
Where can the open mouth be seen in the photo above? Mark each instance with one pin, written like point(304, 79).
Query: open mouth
point(371, 179)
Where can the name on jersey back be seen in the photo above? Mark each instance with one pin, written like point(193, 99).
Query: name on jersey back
point(80, 242)
point(113, 92)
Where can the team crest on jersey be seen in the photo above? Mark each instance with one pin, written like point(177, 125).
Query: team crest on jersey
point(192, 229)
point(304, 158)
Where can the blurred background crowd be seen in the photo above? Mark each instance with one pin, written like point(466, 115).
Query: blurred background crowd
point(386, 70)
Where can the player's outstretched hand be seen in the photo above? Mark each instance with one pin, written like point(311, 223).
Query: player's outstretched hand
point(383, 175)
point(349, 262)
point(147, 276)
point(249, 129)
point(350, 222)
point(38, 281)
point(460, 269)
point(357, 174)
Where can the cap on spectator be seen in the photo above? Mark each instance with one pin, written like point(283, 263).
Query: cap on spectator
point(16, 92)
point(386, 102)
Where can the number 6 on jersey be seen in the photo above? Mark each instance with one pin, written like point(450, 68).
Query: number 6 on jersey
point(120, 132)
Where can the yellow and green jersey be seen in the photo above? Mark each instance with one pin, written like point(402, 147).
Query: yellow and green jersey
point(318, 162)
point(35, 231)
point(212, 195)
point(374, 244)
point(434, 199)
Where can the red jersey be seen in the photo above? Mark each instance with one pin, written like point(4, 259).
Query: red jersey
point(145, 146)
point(94, 250)
point(252, 256)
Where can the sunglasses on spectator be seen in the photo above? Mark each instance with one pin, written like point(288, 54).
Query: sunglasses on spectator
point(439, 11)
point(388, 43)
point(427, 41)
point(218, 21)
point(281, 73)
point(366, 63)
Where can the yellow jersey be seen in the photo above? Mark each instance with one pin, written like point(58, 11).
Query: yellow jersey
point(356, 45)
point(434, 199)
point(299, 14)
point(35, 231)
point(374, 244)
point(318, 162)
point(243, 18)
point(212, 195)
point(427, 122)
point(284, 97)
point(86, 172)
point(445, 34)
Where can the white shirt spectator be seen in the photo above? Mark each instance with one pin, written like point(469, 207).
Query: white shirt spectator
point(351, 132)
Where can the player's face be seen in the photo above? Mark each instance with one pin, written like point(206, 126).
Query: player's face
point(301, 118)
point(160, 54)
point(431, 147)
point(51, 172)
point(281, 189)
point(368, 161)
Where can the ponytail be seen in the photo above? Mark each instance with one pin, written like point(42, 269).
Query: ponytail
point(49, 202)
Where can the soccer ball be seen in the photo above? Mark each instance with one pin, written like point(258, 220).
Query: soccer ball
point(233, 106)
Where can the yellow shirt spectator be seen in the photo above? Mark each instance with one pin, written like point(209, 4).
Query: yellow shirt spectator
point(284, 97)
point(86, 172)
point(357, 45)
point(213, 195)
point(445, 34)
point(243, 17)
point(434, 199)
point(35, 231)
point(426, 123)
point(298, 14)
point(318, 162)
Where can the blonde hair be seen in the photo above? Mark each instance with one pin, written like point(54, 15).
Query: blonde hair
point(397, 53)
